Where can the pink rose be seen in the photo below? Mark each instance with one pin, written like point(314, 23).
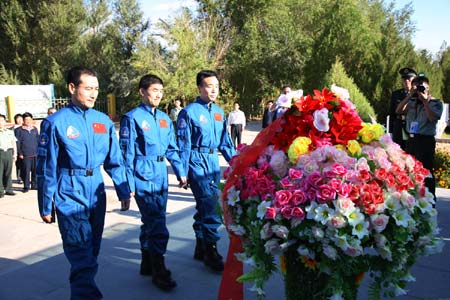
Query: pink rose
point(286, 212)
point(282, 197)
point(325, 193)
point(298, 197)
point(286, 183)
point(314, 179)
point(295, 174)
point(298, 213)
point(335, 184)
point(345, 190)
point(338, 169)
point(270, 213)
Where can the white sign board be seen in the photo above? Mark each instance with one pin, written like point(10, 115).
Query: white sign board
point(35, 99)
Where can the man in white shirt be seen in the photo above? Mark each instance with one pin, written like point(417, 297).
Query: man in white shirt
point(236, 123)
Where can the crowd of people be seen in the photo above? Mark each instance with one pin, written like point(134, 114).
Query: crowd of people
point(63, 163)
point(18, 145)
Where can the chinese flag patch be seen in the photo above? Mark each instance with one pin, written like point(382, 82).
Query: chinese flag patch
point(99, 127)
point(163, 123)
point(217, 117)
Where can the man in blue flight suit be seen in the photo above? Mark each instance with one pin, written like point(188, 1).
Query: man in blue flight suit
point(147, 138)
point(73, 144)
point(202, 131)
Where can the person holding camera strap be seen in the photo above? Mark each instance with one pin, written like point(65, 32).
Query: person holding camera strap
point(422, 114)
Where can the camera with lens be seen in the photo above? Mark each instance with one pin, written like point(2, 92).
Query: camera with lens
point(421, 88)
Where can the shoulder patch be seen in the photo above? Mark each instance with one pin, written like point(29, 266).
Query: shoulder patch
point(181, 124)
point(43, 139)
point(124, 132)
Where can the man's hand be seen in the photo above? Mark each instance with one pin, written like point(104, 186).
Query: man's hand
point(47, 219)
point(124, 205)
point(183, 183)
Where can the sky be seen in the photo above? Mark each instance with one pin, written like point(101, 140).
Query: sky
point(431, 18)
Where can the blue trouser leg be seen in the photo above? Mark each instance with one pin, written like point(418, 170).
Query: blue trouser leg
point(206, 219)
point(154, 234)
point(81, 233)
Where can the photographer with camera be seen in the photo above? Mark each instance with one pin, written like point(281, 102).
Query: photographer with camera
point(397, 122)
point(422, 114)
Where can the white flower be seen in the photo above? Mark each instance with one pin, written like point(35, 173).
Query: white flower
point(344, 205)
point(361, 229)
point(237, 229)
point(311, 211)
point(340, 92)
point(354, 248)
point(233, 196)
point(399, 291)
point(402, 217)
point(337, 295)
point(317, 233)
point(424, 205)
point(272, 247)
point(392, 203)
point(280, 231)
point(337, 221)
point(379, 222)
point(355, 217)
point(262, 208)
point(304, 251)
point(321, 120)
point(323, 214)
point(258, 290)
point(266, 232)
point(341, 241)
point(330, 252)
point(408, 201)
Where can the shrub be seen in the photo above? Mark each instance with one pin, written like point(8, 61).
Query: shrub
point(442, 167)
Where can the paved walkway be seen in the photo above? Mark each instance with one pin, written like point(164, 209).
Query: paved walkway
point(32, 265)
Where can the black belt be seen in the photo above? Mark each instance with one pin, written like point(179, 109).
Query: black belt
point(158, 158)
point(204, 149)
point(78, 172)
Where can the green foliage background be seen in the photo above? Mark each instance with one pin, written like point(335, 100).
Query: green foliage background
point(256, 46)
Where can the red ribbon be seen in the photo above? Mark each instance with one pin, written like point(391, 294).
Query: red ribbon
point(230, 289)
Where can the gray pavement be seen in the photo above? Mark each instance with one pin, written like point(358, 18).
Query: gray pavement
point(33, 266)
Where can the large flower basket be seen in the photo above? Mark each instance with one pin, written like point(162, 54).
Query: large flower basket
point(329, 197)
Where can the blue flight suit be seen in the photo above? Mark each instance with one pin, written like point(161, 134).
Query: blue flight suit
point(201, 131)
point(146, 138)
point(73, 145)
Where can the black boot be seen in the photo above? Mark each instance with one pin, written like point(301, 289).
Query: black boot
point(212, 258)
point(146, 266)
point(161, 276)
point(199, 250)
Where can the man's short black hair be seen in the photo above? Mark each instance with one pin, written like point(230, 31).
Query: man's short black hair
point(148, 80)
point(27, 114)
point(285, 86)
point(74, 74)
point(205, 74)
point(3, 116)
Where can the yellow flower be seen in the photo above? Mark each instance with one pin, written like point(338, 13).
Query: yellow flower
point(371, 132)
point(353, 148)
point(298, 147)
